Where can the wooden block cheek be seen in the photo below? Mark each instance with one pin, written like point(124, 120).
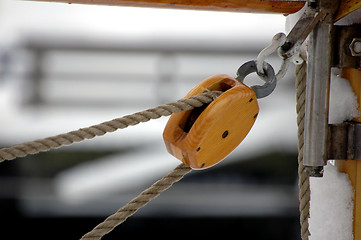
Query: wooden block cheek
point(213, 134)
point(221, 127)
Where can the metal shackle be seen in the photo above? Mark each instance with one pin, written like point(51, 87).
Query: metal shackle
point(269, 77)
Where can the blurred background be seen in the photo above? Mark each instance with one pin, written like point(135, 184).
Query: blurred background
point(67, 66)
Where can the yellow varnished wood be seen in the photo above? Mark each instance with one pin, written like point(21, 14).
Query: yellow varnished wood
point(353, 167)
point(258, 6)
point(249, 6)
point(346, 7)
point(218, 129)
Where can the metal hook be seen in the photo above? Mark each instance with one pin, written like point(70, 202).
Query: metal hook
point(269, 77)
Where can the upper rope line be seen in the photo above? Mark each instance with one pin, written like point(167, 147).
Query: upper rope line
point(43, 145)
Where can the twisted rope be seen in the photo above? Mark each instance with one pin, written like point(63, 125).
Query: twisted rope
point(141, 200)
point(303, 182)
point(46, 144)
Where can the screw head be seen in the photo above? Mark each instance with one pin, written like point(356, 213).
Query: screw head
point(355, 47)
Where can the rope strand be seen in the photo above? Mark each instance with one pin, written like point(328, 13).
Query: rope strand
point(303, 182)
point(46, 144)
point(138, 202)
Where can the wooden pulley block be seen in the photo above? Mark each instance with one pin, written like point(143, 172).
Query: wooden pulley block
point(205, 135)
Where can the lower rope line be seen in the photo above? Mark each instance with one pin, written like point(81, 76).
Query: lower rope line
point(46, 144)
point(303, 182)
point(138, 202)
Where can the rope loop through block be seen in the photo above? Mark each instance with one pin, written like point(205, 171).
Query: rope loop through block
point(174, 176)
point(69, 138)
point(82, 134)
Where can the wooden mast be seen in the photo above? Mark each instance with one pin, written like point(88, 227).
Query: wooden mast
point(353, 167)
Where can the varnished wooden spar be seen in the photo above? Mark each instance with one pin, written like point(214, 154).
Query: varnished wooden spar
point(346, 7)
point(254, 6)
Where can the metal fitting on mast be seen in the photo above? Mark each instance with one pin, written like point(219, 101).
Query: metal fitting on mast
point(317, 89)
